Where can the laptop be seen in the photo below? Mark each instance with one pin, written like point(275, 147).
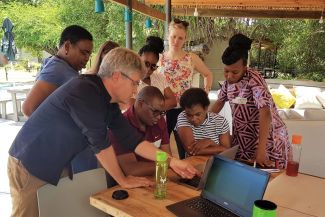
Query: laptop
point(198, 182)
point(230, 190)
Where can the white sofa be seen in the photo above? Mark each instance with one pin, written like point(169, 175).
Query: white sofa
point(225, 112)
point(309, 123)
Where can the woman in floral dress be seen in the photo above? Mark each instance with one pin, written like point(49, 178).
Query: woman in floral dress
point(257, 128)
point(178, 67)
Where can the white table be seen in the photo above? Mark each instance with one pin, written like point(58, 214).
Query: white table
point(13, 91)
point(301, 196)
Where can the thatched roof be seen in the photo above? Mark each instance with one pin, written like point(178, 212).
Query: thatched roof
point(310, 9)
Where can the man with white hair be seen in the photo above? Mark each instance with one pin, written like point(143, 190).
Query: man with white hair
point(74, 117)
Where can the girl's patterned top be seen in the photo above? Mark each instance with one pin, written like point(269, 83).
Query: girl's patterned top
point(157, 80)
point(178, 73)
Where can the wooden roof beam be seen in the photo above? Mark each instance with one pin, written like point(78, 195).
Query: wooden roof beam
point(246, 3)
point(249, 13)
point(143, 9)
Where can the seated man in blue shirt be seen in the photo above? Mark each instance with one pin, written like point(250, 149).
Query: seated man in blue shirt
point(75, 117)
point(147, 117)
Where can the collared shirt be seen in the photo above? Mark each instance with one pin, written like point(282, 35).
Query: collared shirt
point(156, 134)
point(72, 118)
point(211, 128)
point(56, 71)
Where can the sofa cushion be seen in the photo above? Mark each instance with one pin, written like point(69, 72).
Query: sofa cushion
point(225, 111)
point(282, 114)
point(282, 97)
point(321, 98)
point(315, 114)
point(295, 114)
point(306, 97)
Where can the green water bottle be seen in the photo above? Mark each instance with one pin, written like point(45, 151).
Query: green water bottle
point(161, 175)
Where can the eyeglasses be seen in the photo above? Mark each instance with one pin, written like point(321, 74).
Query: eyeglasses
point(135, 83)
point(153, 67)
point(184, 23)
point(155, 112)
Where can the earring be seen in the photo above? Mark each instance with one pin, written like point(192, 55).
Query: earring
point(66, 52)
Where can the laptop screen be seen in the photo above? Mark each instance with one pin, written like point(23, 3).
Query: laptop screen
point(234, 185)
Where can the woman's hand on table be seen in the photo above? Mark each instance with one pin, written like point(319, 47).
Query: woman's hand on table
point(183, 168)
point(135, 181)
point(262, 159)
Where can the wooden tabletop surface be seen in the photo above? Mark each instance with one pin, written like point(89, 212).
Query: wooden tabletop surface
point(141, 201)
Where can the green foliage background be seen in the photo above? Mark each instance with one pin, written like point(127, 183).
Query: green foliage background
point(38, 24)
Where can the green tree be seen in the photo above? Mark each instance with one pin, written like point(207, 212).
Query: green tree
point(36, 27)
point(301, 43)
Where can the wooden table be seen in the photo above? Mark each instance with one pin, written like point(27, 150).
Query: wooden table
point(141, 202)
point(299, 196)
point(14, 91)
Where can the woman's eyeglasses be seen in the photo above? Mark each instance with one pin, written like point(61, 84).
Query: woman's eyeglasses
point(184, 23)
point(153, 67)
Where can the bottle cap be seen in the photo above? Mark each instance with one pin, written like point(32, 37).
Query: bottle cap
point(161, 156)
point(296, 139)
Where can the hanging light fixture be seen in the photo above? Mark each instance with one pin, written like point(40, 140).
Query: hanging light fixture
point(99, 6)
point(148, 23)
point(321, 18)
point(196, 13)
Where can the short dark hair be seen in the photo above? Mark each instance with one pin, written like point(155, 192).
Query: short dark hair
point(238, 48)
point(148, 93)
point(154, 45)
point(74, 33)
point(194, 96)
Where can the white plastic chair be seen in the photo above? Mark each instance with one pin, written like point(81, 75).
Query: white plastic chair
point(71, 197)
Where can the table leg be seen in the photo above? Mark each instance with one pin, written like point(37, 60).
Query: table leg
point(14, 105)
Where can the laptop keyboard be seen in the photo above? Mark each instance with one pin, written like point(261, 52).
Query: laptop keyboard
point(195, 181)
point(208, 208)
